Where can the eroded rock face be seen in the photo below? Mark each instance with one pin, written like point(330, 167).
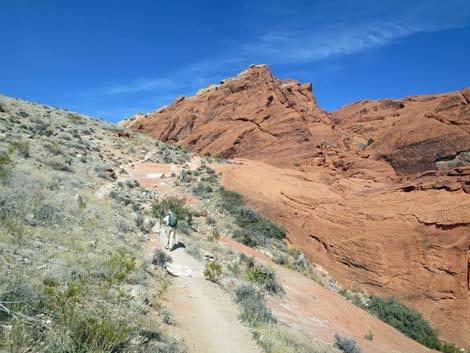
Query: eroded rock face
point(414, 134)
point(378, 192)
point(407, 240)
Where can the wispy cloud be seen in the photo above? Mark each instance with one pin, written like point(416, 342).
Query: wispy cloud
point(310, 38)
point(141, 85)
point(296, 35)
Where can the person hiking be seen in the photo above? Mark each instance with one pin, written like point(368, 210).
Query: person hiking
point(171, 222)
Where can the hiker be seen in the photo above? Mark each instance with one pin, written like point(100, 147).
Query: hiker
point(170, 221)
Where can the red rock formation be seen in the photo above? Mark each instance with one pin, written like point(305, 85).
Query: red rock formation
point(377, 192)
point(253, 115)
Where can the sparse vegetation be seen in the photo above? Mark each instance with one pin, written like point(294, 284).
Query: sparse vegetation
point(346, 344)
point(265, 278)
point(160, 258)
point(254, 229)
point(213, 271)
point(174, 204)
point(69, 270)
point(405, 320)
point(194, 251)
point(369, 335)
point(253, 306)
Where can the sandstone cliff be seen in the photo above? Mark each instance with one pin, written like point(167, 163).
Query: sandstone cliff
point(378, 191)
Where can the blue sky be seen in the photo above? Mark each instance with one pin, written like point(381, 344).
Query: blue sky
point(112, 58)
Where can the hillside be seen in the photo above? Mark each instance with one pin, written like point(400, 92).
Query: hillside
point(377, 192)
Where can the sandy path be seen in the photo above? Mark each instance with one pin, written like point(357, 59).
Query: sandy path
point(205, 315)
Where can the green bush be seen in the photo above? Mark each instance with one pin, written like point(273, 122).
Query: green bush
point(213, 271)
point(175, 205)
point(405, 320)
point(118, 266)
point(253, 306)
point(265, 278)
point(255, 230)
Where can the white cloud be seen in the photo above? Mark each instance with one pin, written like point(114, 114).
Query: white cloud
point(306, 35)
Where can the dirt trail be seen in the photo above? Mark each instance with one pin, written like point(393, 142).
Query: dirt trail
point(205, 315)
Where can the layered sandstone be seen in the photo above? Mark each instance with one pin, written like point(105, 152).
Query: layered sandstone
point(377, 192)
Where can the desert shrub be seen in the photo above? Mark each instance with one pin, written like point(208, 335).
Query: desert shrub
point(215, 235)
point(274, 339)
point(118, 266)
point(354, 297)
point(167, 318)
point(185, 176)
point(160, 258)
point(5, 164)
point(249, 261)
point(139, 221)
point(265, 278)
point(54, 148)
point(213, 271)
point(184, 227)
point(58, 164)
point(132, 183)
point(230, 200)
point(369, 335)
point(244, 238)
point(194, 251)
point(346, 344)
point(202, 190)
point(123, 227)
point(25, 199)
point(16, 296)
point(74, 118)
point(91, 331)
point(22, 147)
point(251, 222)
point(253, 306)
point(255, 230)
point(281, 259)
point(176, 205)
point(210, 221)
point(404, 319)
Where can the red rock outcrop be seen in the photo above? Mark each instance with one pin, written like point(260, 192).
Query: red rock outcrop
point(252, 115)
point(377, 192)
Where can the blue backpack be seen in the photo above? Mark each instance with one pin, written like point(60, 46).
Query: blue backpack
point(172, 221)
